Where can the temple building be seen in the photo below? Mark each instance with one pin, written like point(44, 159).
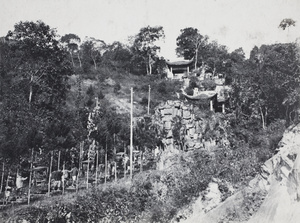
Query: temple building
point(179, 69)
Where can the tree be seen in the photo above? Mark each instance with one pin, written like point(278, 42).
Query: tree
point(265, 89)
point(144, 45)
point(117, 56)
point(93, 49)
point(71, 42)
point(39, 62)
point(286, 23)
point(37, 72)
point(215, 57)
point(190, 43)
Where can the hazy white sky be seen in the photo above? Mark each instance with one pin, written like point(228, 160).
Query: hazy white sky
point(234, 23)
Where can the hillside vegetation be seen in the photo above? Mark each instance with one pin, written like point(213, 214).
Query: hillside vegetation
point(60, 98)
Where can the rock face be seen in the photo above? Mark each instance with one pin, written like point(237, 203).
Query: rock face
point(191, 126)
point(186, 128)
point(270, 197)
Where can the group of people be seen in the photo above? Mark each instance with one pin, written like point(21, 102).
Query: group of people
point(60, 177)
point(18, 187)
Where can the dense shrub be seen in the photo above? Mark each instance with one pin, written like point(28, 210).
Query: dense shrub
point(117, 88)
point(209, 84)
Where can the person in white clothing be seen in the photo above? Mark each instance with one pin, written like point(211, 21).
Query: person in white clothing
point(19, 182)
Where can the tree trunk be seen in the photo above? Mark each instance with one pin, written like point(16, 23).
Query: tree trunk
point(95, 64)
point(262, 118)
point(30, 90)
point(147, 68)
point(150, 66)
point(196, 58)
point(30, 176)
point(72, 59)
point(80, 65)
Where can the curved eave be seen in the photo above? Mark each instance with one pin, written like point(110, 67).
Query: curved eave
point(179, 63)
point(202, 96)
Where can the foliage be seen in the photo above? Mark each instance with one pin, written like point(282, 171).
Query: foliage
point(209, 84)
point(286, 23)
point(263, 88)
point(190, 44)
point(36, 74)
point(117, 56)
point(144, 48)
point(71, 42)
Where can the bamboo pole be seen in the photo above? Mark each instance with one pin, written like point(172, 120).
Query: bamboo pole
point(63, 182)
point(131, 132)
point(105, 162)
point(58, 162)
point(50, 170)
point(115, 152)
point(2, 177)
point(97, 164)
point(141, 161)
point(149, 100)
point(6, 187)
point(30, 176)
point(124, 161)
point(80, 155)
point(88, 167)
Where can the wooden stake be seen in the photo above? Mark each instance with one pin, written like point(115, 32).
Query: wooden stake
point(141, 161)
point(2, 177)
point(124, 161)
point(80, 156)
point(115, 152)
point(105, 164)
point(131, 132)
point(58, 162)
point(50, 170)
point(6, 187)
point(63, 182)
point(88, 167)
point(149, 100)
point(30, 176)
point(97, 164)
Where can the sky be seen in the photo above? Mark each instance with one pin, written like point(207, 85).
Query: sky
point(233, 23)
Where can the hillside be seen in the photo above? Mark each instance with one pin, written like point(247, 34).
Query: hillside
point(270, 197)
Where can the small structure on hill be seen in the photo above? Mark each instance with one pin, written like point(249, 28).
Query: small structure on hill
point(178, 69)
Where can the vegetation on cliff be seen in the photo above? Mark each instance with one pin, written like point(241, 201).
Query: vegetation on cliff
point(49, 86)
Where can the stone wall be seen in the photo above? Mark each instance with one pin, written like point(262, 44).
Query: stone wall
point(198, 129)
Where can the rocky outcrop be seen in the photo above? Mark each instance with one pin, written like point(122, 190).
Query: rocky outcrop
point(270, 197)
point(192, 124)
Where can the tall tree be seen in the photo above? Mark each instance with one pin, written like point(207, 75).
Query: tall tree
point(39, 62)
point(72, 42)
point(190, 43)
point(117, 56)
point(93, 49)
point(144, 45)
